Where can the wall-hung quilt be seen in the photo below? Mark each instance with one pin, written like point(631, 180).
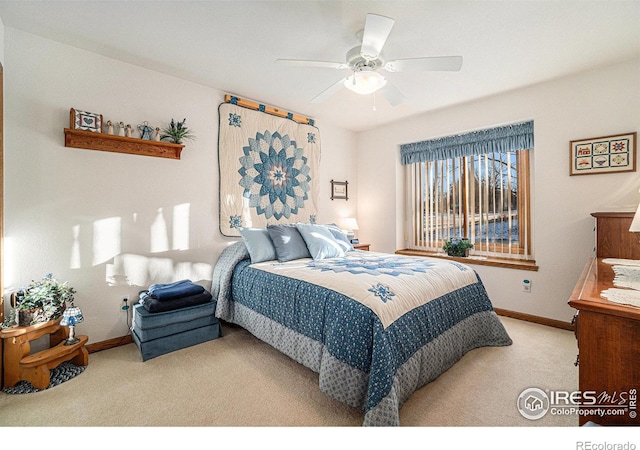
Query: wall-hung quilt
point(376, 327)
point(269, 169)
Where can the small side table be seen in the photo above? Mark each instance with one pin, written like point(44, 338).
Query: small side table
point(364, 247)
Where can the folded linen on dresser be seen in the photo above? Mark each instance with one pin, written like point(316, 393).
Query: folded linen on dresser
point(171, 291)
point(153, 305)
point(626, 276)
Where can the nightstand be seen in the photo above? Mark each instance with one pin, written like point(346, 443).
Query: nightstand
point(364, 247)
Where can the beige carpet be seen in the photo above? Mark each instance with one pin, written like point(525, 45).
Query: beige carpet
point(240, 381)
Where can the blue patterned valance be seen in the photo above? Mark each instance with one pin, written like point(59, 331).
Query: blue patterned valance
point(518, 136)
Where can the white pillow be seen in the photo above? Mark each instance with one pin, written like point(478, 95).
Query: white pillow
point(320, 241)
point(340, 237)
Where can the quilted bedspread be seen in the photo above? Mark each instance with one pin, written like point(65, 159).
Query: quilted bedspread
point(376, 327)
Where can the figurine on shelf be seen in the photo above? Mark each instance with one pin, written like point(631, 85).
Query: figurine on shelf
point(127, 130)
point(156, 135)
point(109, 127)
point(121, 129)
point(145, 131)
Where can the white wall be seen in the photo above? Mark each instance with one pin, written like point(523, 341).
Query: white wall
point(86, 215)
point(106, 221)
point(1, 41)
point(597, 103)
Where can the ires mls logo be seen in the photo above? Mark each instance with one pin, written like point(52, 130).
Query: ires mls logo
point(633, 403)
point(534, 403)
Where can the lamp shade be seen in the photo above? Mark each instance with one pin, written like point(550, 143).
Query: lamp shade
point(365, 82)
point(635, 223)
point(71, 316)
point(349, 223)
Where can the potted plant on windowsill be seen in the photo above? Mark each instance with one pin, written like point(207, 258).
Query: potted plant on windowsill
point(457, 247)
point(42, 300)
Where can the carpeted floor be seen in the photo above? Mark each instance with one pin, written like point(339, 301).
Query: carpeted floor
point(240, 381)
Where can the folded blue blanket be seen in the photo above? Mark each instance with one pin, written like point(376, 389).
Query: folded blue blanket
point(171, 291)
point(153, 305)
point(158, 286)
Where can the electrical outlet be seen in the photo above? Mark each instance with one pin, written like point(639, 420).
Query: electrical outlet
point(125, 303)
point(526, 286)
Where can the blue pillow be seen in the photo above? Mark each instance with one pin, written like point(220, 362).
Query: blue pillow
point(320, 241)
point(288, 242)
point(258, 244)
point(340, 237)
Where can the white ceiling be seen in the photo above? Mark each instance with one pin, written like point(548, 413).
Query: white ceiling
point(232, 45)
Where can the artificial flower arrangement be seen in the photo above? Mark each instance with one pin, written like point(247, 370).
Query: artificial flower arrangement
point(40, 302)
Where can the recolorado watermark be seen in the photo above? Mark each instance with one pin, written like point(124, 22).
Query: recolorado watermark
point(589, 445)
point(535, 403)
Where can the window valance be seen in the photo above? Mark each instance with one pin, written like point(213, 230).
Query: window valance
point(518, 136)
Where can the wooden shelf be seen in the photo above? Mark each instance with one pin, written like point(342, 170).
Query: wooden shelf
point(120, 144)
point(520, 264)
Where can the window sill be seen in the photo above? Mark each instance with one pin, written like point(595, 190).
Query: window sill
point(479, 260)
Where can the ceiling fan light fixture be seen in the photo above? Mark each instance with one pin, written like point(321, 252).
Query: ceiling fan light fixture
point(365, 82)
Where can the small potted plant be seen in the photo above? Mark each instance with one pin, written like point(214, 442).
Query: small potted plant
point(42, 300)
point(176, 132)
point(457, 247)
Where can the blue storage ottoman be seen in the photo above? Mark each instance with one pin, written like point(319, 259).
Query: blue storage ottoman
point(163, 332)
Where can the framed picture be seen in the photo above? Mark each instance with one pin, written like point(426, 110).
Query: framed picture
point(83, 120)
point(603, 155)
point(339, 190)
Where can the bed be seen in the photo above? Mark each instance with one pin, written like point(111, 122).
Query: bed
point(375, 327)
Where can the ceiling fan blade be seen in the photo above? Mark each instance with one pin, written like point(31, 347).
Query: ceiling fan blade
point(376, 32)
point(392, 94)
point(322, 96)
point(310, 63)
point(445, 63)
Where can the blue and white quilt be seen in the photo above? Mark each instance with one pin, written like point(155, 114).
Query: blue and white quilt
point(269, 169)
point(376, 327)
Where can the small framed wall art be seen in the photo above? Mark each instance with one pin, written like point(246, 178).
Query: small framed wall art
point(83, 120)
point(604, 154)
point(339, 190)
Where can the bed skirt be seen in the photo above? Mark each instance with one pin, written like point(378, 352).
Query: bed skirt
point(351, 386)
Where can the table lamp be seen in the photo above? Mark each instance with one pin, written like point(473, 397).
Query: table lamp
point(71, 317)
point(349, 224)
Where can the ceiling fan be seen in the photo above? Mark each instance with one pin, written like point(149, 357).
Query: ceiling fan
point(366, 60)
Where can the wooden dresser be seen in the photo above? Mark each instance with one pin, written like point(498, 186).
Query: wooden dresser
point(608, 333)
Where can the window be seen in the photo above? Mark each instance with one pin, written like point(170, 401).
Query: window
point(473, 186)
